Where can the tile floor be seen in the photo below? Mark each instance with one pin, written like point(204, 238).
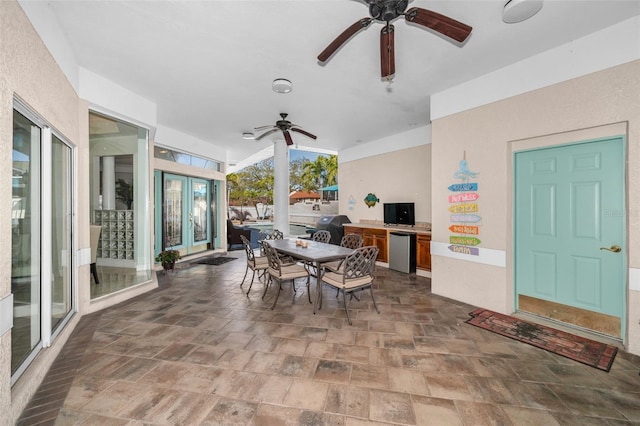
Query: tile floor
point(198, 351)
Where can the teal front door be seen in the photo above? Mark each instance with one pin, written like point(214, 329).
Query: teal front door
point(570, 248)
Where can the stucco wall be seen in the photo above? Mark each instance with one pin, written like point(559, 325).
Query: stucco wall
point(578, 108)
point(28, 71)
point(399, 176)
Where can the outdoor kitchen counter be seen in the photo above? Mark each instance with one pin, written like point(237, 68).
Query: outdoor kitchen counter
point(374, 234)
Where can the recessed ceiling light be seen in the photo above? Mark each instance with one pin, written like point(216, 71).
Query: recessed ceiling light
point(248, 135)
point(282, 85)
point(520, 10)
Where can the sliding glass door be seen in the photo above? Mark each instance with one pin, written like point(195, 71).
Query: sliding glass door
point(41, 237)
point(25, 241)
point(61, 254)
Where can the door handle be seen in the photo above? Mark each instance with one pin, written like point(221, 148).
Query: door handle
point(614, 249)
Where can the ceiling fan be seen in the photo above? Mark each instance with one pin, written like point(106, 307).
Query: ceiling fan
point(386, 11)
point(284, 126)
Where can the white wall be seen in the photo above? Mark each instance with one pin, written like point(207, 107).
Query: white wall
point(416, 137)
point(28, 71)
point(603, 49)
point(400, 176)
point(528, 100)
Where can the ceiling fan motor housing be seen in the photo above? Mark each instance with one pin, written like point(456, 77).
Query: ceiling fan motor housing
point(387, 10)
point(283, 124)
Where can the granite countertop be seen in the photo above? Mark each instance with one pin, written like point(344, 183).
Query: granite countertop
point(421, 228)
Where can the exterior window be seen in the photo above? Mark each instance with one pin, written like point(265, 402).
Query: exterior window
point(184, 158)
point(119, 198)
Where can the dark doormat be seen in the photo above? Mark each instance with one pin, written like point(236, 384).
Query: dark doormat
point(595, 354)
point(214, 260)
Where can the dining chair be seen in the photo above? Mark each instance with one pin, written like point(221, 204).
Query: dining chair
point(356, 273)
point(322, 236)
point(276, 234)
point(255, 263)
point(285, 258)
point(282, 270)
point(352, 241)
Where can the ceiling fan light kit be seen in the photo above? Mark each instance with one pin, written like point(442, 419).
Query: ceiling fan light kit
point(386, 11)
point(520, 10)
point(282, 85)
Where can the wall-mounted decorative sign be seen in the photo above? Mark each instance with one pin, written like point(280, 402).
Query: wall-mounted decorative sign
point(464, 208)
point(463, 187)
point(465, 250)
point(370, 200)
point(465, 229)
point(351, 202)
point(461, 198)
point(463, 171)
point(463, 205)
point(465, 218)
point(467, 241)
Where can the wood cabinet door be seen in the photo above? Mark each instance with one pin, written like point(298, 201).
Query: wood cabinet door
point(378, 238)
point(423, 252)
point(368, 240)
point(381, 243)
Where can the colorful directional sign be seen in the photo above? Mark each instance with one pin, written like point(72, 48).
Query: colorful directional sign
point(465, 250)
point(467, 241)
point(459, 187)
point(465, 229)
point(466, 218)
point(464, 208)
point(461, 198)
point(464, 211)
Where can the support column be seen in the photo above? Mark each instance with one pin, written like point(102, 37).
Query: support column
point(108, 183)
point(281, 185)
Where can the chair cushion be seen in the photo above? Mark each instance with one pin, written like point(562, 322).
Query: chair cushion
point(261, 262)
point(289, 272)
point(335, 266)
point(335, 279)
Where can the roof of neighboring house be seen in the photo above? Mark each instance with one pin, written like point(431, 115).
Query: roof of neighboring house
point(330, 188)
point(303, 195)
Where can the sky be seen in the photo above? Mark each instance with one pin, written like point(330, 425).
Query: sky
point(295, 154)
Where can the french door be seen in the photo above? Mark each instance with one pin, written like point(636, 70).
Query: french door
point(570, 248)
point(186, 213)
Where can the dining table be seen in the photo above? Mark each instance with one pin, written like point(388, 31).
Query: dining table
point(313, 252)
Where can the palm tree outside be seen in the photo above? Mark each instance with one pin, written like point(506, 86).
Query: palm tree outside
point(253, 186)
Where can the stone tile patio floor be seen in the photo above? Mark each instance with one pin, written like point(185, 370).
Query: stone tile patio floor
point(198, 351)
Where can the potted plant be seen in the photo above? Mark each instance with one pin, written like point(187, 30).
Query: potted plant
point(168, 258)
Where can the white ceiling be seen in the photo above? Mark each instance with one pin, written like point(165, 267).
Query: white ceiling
point(209, 65)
